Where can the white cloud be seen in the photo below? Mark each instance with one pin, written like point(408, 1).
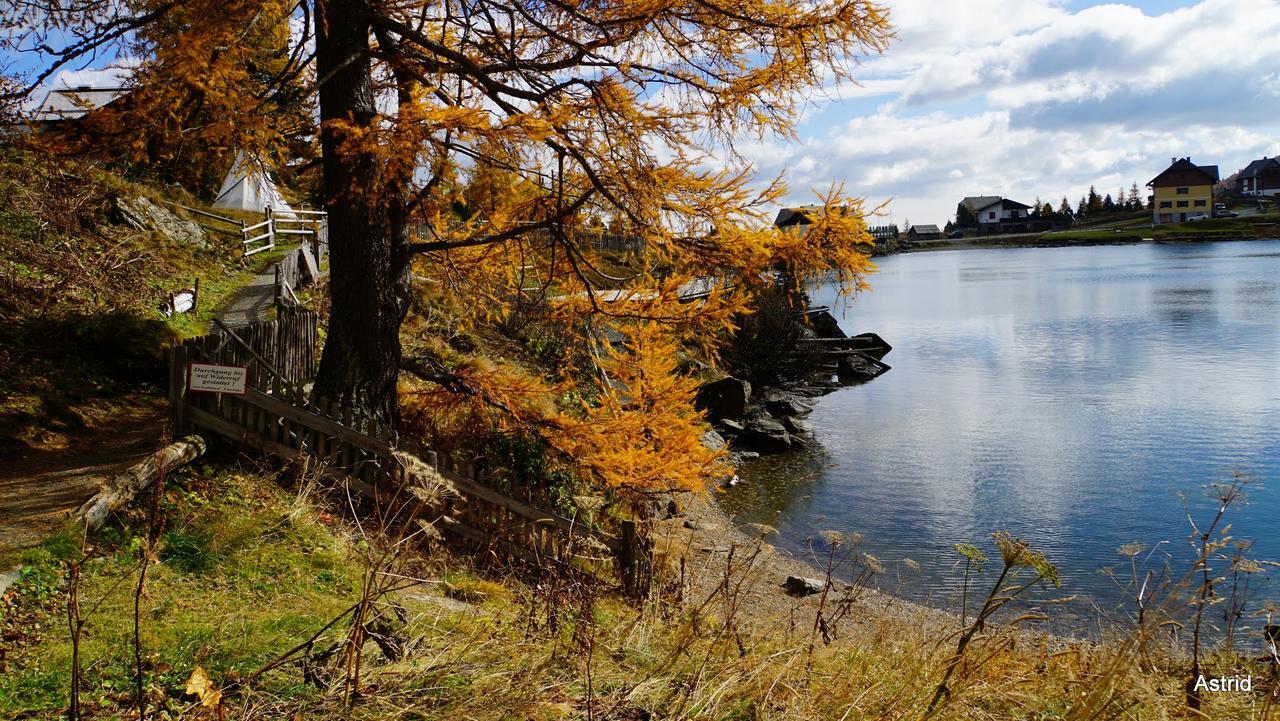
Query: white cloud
point(1027, 98)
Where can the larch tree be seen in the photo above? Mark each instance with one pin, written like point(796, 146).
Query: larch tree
point(559, 115)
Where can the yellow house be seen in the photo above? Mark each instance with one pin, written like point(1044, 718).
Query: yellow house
point(1183, 190)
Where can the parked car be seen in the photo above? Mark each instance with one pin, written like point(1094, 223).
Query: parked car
point(1197, 216)
point(1224, 213)
point(955, 234)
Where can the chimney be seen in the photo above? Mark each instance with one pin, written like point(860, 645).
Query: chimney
point(1172, 161)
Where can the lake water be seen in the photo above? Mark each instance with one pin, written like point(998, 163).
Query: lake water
point(1068, 395)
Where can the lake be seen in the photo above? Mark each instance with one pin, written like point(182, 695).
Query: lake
point(1069, 395)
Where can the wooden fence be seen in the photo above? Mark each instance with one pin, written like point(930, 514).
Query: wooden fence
point(279, 416)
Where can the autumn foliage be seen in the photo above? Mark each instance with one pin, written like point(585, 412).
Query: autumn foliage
point(470, 153)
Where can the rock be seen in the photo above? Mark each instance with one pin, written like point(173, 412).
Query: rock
point(692, 525)
point(142, 214)
point(795, 425)
point(856, 369)
point(826, 325)
point(725, 398)
point(734, 481)
point(784, 404)
point(729, 427)
point(760, 530)
point(766, 435)
point(737, 458)
point(798, 441)
point(801, 586)
point(712, 440)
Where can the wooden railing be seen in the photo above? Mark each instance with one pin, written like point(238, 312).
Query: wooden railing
point(310, 226)
point(278, 415)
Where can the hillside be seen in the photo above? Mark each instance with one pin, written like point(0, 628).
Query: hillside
point(82, 336)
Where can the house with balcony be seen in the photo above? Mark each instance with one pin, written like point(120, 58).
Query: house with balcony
point(1260, 178)
point(1183, 190)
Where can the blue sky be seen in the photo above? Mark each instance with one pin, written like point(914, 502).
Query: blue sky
point(1027, 98)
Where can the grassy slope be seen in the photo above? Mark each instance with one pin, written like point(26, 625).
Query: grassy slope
point(248, 570)
point(80, 332)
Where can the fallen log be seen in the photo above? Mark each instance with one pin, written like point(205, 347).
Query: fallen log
point(128, 484)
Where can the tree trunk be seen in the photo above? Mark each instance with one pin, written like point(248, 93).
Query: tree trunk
point(369, 270)
point(124, 487)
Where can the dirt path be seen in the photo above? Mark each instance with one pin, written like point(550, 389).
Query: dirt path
point(251, 303)
point(39, 488)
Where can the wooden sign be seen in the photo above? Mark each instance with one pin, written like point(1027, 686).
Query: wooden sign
point(210, 378)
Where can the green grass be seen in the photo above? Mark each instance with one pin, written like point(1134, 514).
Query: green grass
point(242, 576)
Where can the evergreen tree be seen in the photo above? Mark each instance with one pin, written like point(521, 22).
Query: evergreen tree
point(1135, 200)
point(1108, 204)
point(1064, 208)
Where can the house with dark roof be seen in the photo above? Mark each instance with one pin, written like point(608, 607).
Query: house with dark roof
point(1183, 190)
point(63, 108)
point(924, 232)
point(1261, 177)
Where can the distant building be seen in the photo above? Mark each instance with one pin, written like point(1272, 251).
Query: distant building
point(1261, 177)
point(924, 232)
point(796, 220)
point(1001, 212)
point(1183, 189)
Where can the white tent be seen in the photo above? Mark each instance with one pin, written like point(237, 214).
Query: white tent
point(248, 186)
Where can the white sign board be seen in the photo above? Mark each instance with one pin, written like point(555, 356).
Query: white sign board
point(218, 379)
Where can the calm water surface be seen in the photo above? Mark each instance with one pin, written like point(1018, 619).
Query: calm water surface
point(1068, 395)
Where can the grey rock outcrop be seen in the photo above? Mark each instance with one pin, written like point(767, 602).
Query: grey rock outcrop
point(142, 214)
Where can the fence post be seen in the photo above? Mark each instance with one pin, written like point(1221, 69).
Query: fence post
point(271, 227)
point(195, 296)
point(635, 561)
point(177, 389)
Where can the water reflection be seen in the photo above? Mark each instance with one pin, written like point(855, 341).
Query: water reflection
point(1068, 395)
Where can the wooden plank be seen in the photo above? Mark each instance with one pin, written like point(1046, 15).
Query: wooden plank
point(321, 423)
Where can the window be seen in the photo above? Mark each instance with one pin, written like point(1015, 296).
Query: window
point(1201, 203)
point(1183, 191)
point(1166, 204)
point(1182, 203)
point(991, 215)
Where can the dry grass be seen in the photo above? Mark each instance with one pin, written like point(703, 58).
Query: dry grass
point(250, 572)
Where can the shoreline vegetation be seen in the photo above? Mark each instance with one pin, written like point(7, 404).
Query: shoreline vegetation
point(1254, 228)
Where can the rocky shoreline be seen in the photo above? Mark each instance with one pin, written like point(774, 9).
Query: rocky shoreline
point(754, 422)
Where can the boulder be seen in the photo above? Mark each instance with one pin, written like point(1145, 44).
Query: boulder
point(142, 214)
point(781, 403)
point(692, 525)
point(797, 426)
point(825, 325)
point(725, 398)
point(801, 586)
point(856, 369)
point(766, 435)
point(712, 440)
point(737, 458)
point(730, 427)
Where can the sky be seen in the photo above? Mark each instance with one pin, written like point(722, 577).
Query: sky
point(1038, 98)
point(1031, 99)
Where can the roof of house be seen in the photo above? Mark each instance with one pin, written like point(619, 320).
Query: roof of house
point(923, 229)
point(71, 103)
point(1182, 171)
point(1254, 169)
point(978, 202)
point(801, 215)
point(1005, 204)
